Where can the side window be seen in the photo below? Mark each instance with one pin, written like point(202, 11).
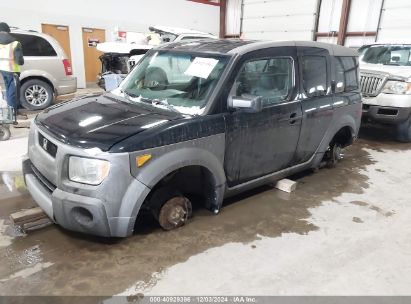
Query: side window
point(346, 74)
point(34, 46)
point(314, 70)
point(271, 78)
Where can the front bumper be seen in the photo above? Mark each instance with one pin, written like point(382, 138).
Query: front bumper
point(385, 115)
point(387, 108)
point(109, 209)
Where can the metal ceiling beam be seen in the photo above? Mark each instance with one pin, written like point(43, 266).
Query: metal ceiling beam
point(345, 13)
point(223, 13)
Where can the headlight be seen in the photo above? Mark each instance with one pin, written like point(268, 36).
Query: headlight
point(397, 87)
point(88, 170)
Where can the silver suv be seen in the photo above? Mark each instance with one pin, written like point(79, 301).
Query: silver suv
point(46, 72)
point(386, 86)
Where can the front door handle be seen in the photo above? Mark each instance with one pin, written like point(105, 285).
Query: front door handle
point(293, 118)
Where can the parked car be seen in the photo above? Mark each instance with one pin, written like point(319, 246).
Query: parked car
point(46, 72)
point(120, 58)
point(193, 122)
point(115, 59)
point(386, 86)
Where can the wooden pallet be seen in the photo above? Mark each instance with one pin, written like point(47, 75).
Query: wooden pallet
point(30, 219)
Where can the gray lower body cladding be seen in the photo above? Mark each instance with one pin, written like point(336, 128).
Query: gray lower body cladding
point(81, 213)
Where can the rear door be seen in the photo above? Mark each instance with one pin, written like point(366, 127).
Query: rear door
point(261, 143)
point(316, 99)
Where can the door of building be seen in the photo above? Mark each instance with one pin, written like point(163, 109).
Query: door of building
point(61, 33)
point(92, 64)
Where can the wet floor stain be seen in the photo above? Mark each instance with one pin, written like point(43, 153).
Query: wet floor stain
point(86, 265)
point(357, 220)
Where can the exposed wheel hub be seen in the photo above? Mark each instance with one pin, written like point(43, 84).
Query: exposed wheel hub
point(175, 213)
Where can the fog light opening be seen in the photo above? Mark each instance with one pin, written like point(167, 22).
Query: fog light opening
point(82, 216)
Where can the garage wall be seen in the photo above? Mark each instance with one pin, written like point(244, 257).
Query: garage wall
point(127, 15)
point(382, 20)
point(329, 20)
point(395, 25)
point(279, 19)
point(233, 17)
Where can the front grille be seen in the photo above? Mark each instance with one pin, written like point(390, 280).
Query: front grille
point(371, 84)
point(46, 183)
point(47, 145)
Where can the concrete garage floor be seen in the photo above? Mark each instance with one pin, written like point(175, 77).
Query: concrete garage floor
point(344, 231)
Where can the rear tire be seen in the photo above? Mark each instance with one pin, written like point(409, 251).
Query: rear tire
point(36, 94)
point(404, 131)
point(4, 133)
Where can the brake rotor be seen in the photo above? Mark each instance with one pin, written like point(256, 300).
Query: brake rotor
point(175, 213)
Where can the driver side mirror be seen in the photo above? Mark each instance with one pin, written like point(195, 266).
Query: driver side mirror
point(249, 103)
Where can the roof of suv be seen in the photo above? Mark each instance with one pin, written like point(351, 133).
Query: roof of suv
point(235, 46)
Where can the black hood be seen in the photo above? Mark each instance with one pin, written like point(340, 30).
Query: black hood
point(6, 38)
point(100, 121)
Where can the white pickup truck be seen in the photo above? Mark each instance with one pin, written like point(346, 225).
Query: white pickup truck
point(386, 86)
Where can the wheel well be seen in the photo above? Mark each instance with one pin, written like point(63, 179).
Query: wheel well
point(343, 137)
point(38, 78)
point(195, 182)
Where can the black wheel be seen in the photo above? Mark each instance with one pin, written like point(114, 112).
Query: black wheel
point(36, 94)
point(404, 131)
point(4, 133)
point(334, 155)
point(170, 208)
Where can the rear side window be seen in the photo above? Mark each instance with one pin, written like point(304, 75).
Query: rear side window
point(270, 78)
point(314, 70)
point(34, 45)
point(346, 74)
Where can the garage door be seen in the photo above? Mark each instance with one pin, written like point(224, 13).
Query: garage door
point(279, 19)
point(395, 24)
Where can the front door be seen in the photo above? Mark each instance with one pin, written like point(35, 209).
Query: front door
point(91, 37)
point(261, 143)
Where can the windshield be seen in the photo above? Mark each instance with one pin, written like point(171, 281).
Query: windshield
point(387, 55)
point(178, 82)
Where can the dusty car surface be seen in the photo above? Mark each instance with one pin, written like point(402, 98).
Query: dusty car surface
point(386, 86)
point(194, 122)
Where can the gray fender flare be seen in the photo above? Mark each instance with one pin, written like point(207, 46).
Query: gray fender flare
point(343, 121)
point(160, 166)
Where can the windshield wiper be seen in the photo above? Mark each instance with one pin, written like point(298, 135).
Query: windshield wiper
point(154, 102)
point(150, 101)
